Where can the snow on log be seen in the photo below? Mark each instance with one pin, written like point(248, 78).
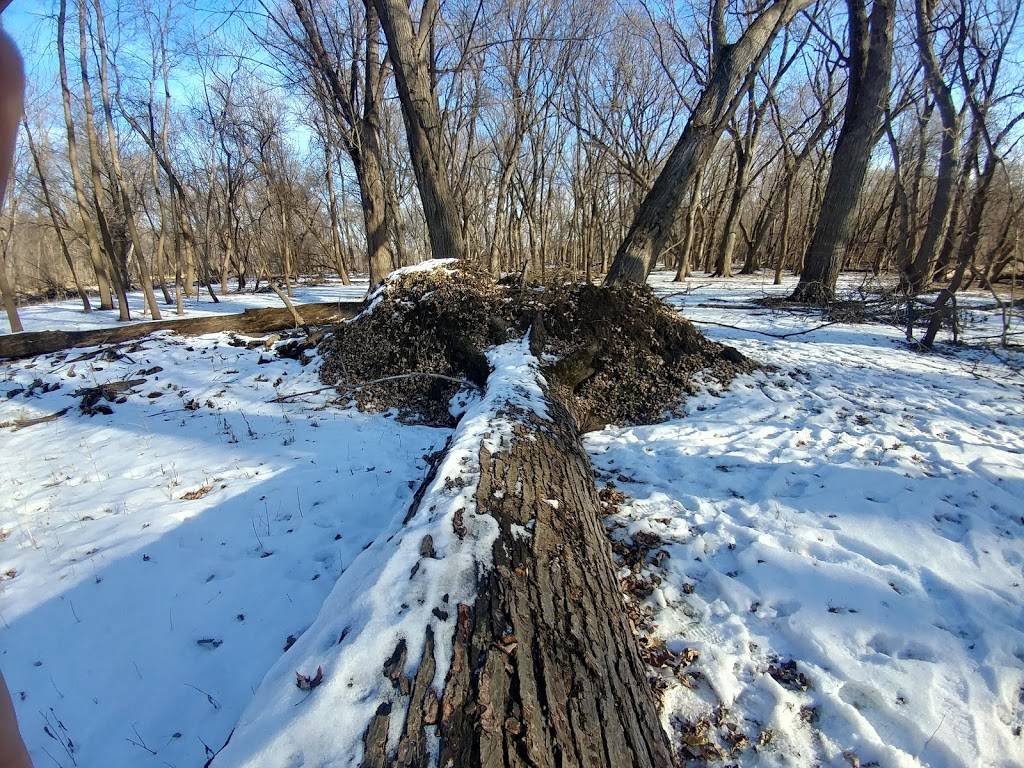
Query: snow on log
point(486, 627)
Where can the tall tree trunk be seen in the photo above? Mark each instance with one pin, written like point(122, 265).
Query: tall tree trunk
point(968, 245)
point(337, 252)
point(408, 50)
point(727, 246)
point(371, 177)
point(871, 42)
point(732, 76)
point(115, 162)
point(99, 263)
point(360, 132)
point(686, 255)
point(787, 217)
point(179, 287)
point(117, 260)
point(927, 253)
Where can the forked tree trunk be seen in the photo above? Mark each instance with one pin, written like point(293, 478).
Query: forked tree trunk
point(871, 47)
point(545, 671)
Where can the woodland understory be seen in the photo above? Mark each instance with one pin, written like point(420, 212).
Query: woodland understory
point(234, 149)
point(563, 565)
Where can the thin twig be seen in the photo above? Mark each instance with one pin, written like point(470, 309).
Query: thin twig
point(929, 739)
point(357, 387)
point(766, 333)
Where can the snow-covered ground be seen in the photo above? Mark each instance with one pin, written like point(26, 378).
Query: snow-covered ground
point(858, 511)
point(155, 561)
point(412, 579)
point(68, 315)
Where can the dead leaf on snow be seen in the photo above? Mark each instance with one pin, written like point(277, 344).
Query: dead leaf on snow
point(198, 493)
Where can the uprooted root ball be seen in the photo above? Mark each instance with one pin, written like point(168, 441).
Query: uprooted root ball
point(616, 354)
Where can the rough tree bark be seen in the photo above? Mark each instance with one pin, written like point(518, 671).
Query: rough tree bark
point(920, 271)
point(409, 50)
point(871, 44)
point(545, 671)
point(734, 69)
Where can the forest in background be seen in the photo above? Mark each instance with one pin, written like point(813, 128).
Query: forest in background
point(180, 151)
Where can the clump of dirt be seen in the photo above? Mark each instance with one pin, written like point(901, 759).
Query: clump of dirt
point(614, 354)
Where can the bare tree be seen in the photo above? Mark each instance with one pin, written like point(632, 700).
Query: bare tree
point(409, 52)
point(57, 216)
point(734, 67)
point(870, 57)
point(919, 271)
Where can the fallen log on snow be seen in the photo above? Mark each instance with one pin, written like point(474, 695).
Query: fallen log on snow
point(24, 423)
point(251, 321)
point(488, 630)
point(545, 668)
point(486, 627)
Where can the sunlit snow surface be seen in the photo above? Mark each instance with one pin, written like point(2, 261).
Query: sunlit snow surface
point(873, 498)
point(135, 624)
point(859, 510)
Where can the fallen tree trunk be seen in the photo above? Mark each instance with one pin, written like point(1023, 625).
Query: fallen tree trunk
point(251, 321)
point(487, 630)
point(485, 625)
point(546, 670)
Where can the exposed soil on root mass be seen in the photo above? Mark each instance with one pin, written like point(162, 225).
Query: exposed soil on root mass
point(615, 354)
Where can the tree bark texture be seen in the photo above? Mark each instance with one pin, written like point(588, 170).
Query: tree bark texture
point(528, 659)
point(408, 50)
point(871, 44)
point(731, 78)
point(546, 671)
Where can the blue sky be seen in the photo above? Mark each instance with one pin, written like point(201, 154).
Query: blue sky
point(33, 27)
point(28, 24)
